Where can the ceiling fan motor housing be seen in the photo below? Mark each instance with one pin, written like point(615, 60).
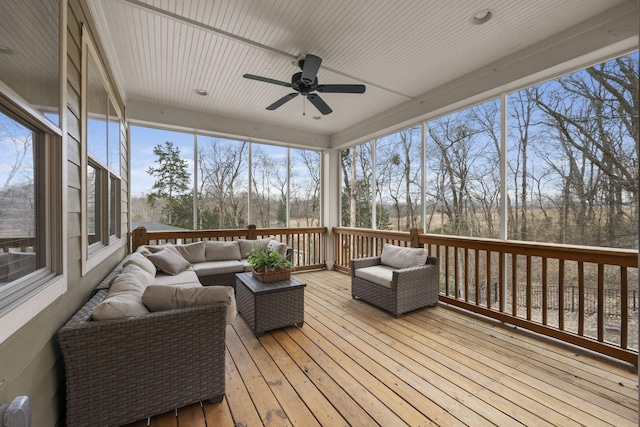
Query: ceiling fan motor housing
point(302, 87)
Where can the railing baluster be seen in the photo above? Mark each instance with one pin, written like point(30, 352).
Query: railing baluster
point(624, 308)
point(488, 287)
point(581, 299)
point(528, 291)
point(466, 274)
point(514, 285)
point(545, 302)
point(601, 308)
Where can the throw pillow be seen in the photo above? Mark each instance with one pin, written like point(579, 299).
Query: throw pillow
point(192, 252)
point(222, 251)
point(247, 245)
point(401, 257)
point(281, 248)
point(124, 298)
point(141, 261)
point(160, 298)
point(169, 261)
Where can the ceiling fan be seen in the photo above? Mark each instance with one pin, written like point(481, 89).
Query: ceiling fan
point(306, 82)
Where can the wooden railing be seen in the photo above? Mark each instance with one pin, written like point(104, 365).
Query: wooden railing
point(21, 244)
point(309, 245)
point(540, 287)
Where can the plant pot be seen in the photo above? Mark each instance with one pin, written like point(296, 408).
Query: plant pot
point(271, 276)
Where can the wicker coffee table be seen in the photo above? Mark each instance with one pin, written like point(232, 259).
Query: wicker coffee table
point(267, 306)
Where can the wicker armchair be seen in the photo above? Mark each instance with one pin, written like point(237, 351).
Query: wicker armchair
point(119, 371)
point(411, 287)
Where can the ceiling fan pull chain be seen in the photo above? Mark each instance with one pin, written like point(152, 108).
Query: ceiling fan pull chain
point(304, 105)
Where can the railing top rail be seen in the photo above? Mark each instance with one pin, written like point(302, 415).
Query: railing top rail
point(187, 234)
point(232, 232)
point(290, 230)
point(614, 256)
point(386, 234)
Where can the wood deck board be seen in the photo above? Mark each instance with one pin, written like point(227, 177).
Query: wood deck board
point(353, 364)
point(465, 372)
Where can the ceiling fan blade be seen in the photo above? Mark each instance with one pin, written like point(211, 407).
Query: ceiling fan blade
point(266, 80)
point(282, 100)
point(341, 88)
point(319, 103)
point(310, 68)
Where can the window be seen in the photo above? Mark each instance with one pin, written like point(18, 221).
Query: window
point(304, 210)
point(32, 214)
point(29, 200)
point(269, 178)
point(162, 179)
point(573, 158)
point(101, 215)
point(463, 174)
point(223, 178)
point(356, 172)
point(398, 180)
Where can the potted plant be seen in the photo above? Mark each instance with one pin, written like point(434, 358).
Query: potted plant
point(268, 265)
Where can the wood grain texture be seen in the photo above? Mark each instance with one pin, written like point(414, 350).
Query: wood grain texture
point(353, 364)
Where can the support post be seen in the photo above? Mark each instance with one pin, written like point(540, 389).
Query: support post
point(414, 236)
point(252, 233)
point(138, 237)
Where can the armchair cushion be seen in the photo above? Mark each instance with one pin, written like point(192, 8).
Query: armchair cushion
point(401, 257)
point(379, 274)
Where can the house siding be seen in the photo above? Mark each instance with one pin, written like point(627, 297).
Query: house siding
point(30, 360)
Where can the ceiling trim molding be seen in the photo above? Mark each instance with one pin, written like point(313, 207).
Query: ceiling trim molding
point(606, 36)
point(151, 114)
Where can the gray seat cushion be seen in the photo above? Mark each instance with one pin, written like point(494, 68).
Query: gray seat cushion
point(378, 274)
point(211, 268)
point(185, 279)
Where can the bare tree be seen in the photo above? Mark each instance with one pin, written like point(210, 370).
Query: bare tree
point(223, 167)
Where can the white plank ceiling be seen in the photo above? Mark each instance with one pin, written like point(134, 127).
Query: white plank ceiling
point(161, 50)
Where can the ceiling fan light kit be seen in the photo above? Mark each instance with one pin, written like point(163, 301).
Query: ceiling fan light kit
point(305, 83)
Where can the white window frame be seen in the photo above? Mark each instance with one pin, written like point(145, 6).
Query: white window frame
point(94, 254)
point(34, 292)
point(51, 282)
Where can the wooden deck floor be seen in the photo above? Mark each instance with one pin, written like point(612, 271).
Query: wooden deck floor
point(352, 364)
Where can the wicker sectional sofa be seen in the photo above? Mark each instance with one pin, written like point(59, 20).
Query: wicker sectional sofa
point(152, 337)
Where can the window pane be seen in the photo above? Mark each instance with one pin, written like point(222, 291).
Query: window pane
point(19, 240)
point(269, 176)
point(113, 133)
point(96, 115)
point(573, 158)
point(305, 188)
point(29, 29)
point(356, 186)
point(398, 180)
point(161, 178)
point(93, 205)
point(223, 183)
point(463, 173)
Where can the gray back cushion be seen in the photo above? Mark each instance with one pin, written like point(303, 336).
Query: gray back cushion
point(400, 257)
